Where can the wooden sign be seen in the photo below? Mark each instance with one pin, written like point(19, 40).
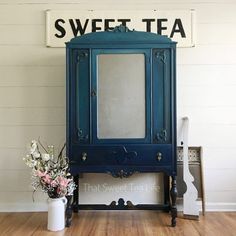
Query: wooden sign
point(61, 25)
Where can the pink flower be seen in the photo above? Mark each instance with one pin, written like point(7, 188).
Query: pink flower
point(40, 173)
point(61, 191)
point(47, 179)
point(54, 183)
point(63, 182)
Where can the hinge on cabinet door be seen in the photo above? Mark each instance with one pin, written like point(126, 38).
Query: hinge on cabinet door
point(81, 136)
point(162, 135)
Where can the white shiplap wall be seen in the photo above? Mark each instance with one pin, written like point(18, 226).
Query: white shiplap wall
point(32, 99)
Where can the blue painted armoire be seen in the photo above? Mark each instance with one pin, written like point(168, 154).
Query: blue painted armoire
point(121, 110)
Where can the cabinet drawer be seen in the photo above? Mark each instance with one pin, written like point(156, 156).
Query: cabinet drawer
point(130, 155)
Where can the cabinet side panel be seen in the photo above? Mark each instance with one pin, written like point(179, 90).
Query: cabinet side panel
point(161, 96)
point(82, 84)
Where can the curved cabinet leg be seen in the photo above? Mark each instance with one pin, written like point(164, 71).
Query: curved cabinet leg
point(173, 195)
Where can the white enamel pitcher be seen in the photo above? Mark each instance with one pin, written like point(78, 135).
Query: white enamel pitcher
point(56, 213)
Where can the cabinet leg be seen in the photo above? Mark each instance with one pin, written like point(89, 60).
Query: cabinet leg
point(69, 211)
point(166, 189)
point(173, 195)
point(76, 195)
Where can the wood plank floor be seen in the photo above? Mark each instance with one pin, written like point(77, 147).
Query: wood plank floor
point(120, 223)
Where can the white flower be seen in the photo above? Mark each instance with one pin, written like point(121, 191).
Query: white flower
point(45, 157)
point(34, 147)
point(31, 163)
point(70, 188)
point(36, 154)
point(47, 168)
point(26, 158)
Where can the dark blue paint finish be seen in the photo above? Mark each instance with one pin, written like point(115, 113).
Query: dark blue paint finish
point(82, 95)
point(162, 87)
point(122, 154)
point(114, 155)
point(111, 37)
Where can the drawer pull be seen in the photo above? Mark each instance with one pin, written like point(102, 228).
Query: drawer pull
point(159, 156)
point(84, 156)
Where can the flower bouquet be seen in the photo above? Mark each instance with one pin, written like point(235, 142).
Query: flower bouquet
point(49, 173)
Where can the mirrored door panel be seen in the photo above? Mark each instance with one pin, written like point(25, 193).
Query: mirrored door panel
point(121, 96)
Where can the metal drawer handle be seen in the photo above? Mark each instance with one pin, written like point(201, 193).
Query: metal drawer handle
point(159, 156)
point(84, 156)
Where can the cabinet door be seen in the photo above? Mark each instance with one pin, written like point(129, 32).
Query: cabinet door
point(81, 95)
point(121, 101)
point(161, 74)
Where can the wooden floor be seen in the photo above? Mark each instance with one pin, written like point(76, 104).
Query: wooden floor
point(120, 223)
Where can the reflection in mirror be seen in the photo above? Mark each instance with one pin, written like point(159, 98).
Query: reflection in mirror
point(121, 96)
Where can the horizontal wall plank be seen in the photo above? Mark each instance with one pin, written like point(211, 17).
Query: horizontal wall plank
point(213, 158)
point(32, 116)
point(215, 12)
point(15, 181)
point(26, 34)
point(30, 76)
point(12, 158)
point(20, 136)
point(207, 55)
point(209, 115)
point(220, 179)
point(221, 196)
point(32, 96)
point(42, 56)
point(35, 55)
point(206, 96)
point(206, 75)
point(22, 197)
point(22, 14)
point(209, 135)
point(215, 33)
point(34, 14)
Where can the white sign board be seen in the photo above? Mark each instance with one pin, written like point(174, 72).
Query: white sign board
point(64, 25)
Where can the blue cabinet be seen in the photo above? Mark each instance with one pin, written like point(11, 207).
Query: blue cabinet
point(121, 107)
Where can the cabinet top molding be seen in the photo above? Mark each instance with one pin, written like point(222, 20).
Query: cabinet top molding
point(121, 34)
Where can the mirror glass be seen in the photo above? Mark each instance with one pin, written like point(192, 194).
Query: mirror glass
point(121, 96)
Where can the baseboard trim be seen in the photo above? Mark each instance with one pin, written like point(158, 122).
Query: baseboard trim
point(213, 206)
point(221, 206)
point(23, 207)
